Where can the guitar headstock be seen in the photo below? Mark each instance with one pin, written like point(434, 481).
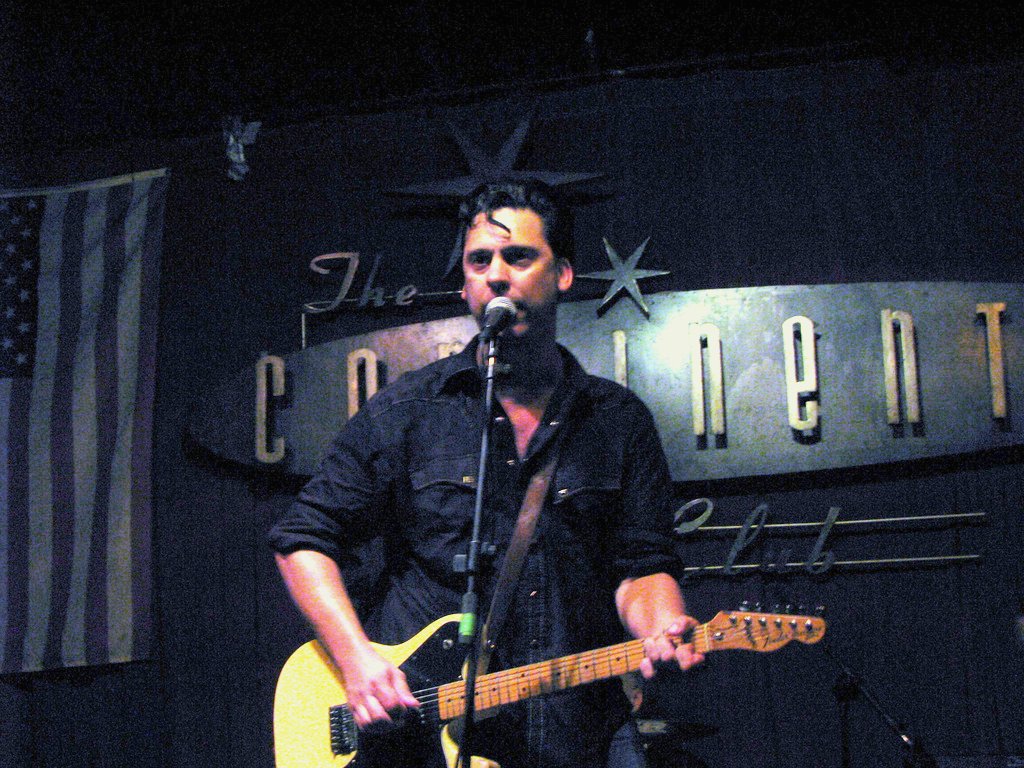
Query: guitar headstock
point(753, 631)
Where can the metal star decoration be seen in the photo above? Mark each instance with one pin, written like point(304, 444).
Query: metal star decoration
point(624, 276)
point(484, 169)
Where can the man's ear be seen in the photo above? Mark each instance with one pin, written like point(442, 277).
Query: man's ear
point(462, 292)
point(565, 275)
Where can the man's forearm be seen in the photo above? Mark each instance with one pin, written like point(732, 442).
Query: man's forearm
point(315, 584)
point(374, 685)
point(652, 607)
point(647, 605)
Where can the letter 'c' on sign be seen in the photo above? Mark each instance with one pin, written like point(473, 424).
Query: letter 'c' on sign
point(276, 366)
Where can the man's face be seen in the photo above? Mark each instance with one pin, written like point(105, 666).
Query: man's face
point(506, 254)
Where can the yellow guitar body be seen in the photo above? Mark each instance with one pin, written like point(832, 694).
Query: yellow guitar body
point(309, 685)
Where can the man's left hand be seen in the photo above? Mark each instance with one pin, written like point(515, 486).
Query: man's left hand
point(669, 647)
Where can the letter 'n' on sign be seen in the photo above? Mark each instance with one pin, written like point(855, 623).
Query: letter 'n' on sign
point(362, 378)
point(900, 364)
point(996, 365)
point(706, 336)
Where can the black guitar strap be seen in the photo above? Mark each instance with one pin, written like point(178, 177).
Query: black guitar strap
point(512, 566)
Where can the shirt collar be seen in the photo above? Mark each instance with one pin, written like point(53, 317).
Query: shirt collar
point(461, 370)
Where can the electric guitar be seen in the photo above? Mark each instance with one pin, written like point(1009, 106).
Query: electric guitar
point(313, 727)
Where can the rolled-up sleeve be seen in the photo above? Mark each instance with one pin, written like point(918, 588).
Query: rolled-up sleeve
point(644, 543)
point(343, 505)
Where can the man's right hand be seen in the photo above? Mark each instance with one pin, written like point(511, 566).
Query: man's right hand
point(377, 690)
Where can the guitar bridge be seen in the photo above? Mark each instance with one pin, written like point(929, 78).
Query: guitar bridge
point(344, 734)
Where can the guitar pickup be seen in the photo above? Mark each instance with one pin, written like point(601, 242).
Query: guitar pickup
point(344, 733)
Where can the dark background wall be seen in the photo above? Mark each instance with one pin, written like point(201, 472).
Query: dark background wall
point(818, 173)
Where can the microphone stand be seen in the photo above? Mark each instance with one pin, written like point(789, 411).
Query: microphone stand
point(847, 687)
point(469, 626)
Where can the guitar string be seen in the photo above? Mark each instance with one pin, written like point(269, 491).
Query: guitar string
point(501, 683)
point(539, 672)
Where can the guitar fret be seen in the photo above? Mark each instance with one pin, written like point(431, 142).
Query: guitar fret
point(497, 689)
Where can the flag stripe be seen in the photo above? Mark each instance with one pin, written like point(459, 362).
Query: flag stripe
point(17, 523)
point(110, 376)
point(119, 607)
point(45, 490)
point(86, 425)
point(142, 445)
point(65, 436)
point(5, 409)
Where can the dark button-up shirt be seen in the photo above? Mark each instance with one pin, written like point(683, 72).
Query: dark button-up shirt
point(403, 471)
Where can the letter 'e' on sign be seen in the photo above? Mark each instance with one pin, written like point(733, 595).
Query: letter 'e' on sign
point(798, 346)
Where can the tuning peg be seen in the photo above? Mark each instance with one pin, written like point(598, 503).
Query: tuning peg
point(744, 606)
point(819, 611)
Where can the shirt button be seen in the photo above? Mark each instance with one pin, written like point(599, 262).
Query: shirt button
point(511, 462)
point(534, 593)
point(535, 643)
point(563, 492)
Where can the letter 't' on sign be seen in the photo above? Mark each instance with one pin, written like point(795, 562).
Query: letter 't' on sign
point(798, 346)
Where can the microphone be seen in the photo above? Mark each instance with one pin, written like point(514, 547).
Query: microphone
point(499, 315)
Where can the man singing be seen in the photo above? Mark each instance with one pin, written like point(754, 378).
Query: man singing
point(403, 469)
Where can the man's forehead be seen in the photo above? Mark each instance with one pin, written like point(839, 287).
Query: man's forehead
point(508, 224)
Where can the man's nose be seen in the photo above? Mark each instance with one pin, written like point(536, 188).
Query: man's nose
point(497, 272)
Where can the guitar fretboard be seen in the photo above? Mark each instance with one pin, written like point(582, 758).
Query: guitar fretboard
point(497, 689)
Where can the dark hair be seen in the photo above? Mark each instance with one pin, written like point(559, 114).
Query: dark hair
point(531, 195)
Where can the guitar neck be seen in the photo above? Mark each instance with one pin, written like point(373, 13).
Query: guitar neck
point(497, 689)
point(758, 632)
point(512, 685)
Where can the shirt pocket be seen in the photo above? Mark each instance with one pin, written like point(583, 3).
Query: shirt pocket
point(443, 492)
point(587, 493)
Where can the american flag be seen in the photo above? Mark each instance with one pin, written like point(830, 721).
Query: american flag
point(79, 267)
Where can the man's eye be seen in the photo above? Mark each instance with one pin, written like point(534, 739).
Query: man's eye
point(519, 255)
point(479, 258)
